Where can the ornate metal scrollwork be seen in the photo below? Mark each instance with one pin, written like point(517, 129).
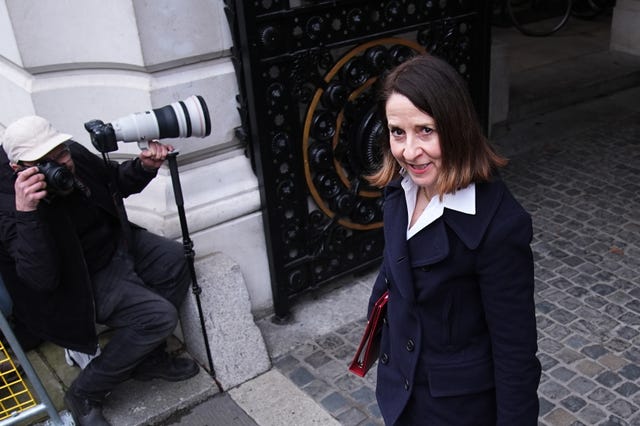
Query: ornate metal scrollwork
point(308, 72)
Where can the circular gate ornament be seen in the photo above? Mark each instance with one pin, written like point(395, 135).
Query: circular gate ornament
point(341, 132)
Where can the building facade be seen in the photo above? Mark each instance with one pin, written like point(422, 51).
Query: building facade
point(72, 61)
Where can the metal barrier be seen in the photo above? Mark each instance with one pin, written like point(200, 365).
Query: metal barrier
point(17, 403)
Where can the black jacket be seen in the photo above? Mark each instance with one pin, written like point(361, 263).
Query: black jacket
point(41, 259)
point(461, 314)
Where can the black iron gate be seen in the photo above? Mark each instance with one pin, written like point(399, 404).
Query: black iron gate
point(307, 74)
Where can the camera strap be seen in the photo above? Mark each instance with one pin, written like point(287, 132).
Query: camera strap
point(118, 202)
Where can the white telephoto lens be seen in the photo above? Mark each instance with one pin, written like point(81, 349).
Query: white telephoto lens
point(138, 127)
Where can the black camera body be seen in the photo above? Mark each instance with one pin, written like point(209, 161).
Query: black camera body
point(103, 136)
point(59, 179)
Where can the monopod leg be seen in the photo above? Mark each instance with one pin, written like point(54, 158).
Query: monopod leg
point(189, 254)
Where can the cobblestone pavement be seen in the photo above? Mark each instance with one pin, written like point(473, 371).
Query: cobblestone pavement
point(584, 196)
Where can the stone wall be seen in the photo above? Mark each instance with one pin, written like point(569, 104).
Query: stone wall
point(78, 60)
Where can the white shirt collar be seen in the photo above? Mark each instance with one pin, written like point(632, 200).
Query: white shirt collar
point(463, 200)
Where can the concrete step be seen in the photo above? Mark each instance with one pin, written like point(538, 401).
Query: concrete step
point(571, 81)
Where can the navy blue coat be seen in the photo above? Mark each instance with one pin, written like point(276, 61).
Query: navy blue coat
point(461, 315)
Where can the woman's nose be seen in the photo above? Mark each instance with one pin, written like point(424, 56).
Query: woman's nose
point(412, 148)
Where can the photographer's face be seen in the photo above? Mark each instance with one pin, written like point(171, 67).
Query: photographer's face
point(59, 154)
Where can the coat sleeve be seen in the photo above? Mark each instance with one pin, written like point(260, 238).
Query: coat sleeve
point(26, 240)
point(132, 178)
point(129, 176)
point(505, 275)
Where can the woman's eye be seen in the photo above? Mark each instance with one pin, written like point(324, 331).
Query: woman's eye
point(427, 130)
point(394, 131)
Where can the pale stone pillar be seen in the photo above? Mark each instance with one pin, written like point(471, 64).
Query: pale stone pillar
point(78, 60)
point(625, 27)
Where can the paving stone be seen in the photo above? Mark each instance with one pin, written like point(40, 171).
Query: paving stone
point(594, 351)
point(348, 382)
point(603, 289)
point(287, 363)
point(630, 318)
point(630, 371)
point(608, 379)
point(563, 374)
point(335, 403)
point(301, 376)
point(558, 332)
point(571, 303)
point(611, 361)
point(364, 395)
point(545, 406)
point(632, 354)
point(545, 307)
point(602, 396)
point(592, 414)
point(622, 408)
point(573, 403)
point(553, 390)
point(332, 370)
point(627, 389)
point(352, 417)
point(627, 333)
point(577, 342)
point(317, 389)
point(569, 356)
point(559, 416)
point(614, 421)
point(596, 301)
point(615, 311)
point(581, 385)
point(562, 316)
point(331, 342)
point(374, 410)
point(549, 345)
point(317, 359)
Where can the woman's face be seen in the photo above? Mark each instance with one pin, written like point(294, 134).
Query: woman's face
point(414, 141)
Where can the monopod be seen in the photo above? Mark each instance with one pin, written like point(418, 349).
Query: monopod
point(190, 255)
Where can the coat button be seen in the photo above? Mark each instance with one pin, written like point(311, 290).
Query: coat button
point(410, 345)
point(386, 281)
point(406, 384)
point(384, 358)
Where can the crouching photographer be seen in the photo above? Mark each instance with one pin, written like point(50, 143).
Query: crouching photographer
point(68, 266)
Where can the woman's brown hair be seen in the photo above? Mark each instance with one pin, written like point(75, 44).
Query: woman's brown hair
point(437, 89)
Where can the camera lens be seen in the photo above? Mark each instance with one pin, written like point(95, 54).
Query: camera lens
point(59, 179)
point(182, 119)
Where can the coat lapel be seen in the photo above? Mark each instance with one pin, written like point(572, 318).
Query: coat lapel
point(471, 228)
point(427, 247)
point(431, 245)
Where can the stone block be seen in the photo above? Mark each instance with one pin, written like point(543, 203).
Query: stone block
point(625, 32)
point(237, 348)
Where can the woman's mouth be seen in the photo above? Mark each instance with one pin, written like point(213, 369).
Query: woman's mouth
point(418, 168)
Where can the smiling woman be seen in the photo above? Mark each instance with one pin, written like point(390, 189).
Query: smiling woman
point(460, 326)
point(428, 93)
point(414, 142)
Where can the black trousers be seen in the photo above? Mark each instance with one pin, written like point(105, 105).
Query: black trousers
point(137, 295)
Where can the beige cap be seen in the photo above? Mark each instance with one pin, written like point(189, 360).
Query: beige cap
point(31, 138)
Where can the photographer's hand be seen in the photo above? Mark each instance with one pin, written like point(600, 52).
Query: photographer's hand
point(153, 157)
point(30, 188)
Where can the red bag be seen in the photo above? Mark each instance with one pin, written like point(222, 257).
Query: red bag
point(369, 347)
